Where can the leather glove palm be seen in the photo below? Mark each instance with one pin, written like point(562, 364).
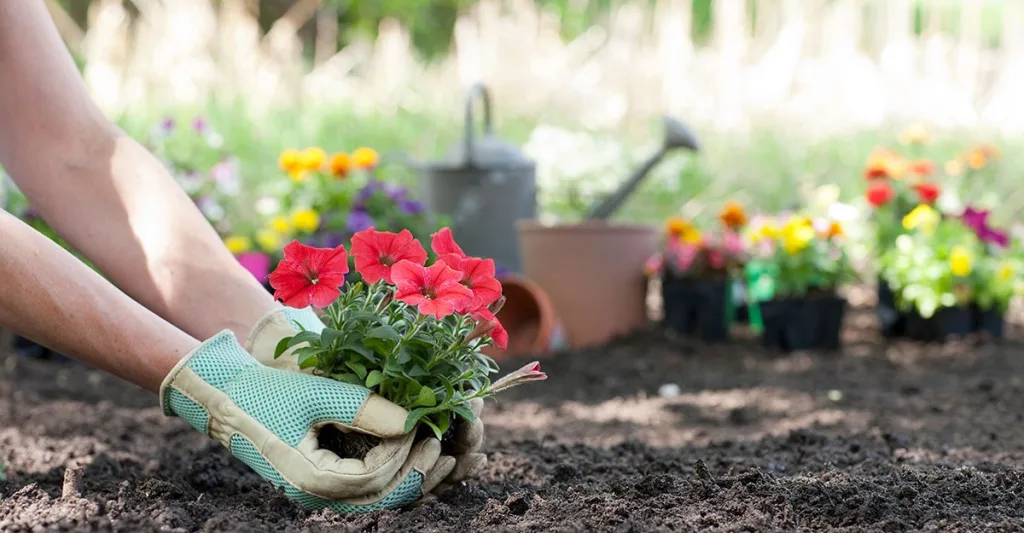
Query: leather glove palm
point(269, 419)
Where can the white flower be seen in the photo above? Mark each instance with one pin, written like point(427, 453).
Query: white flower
point(268, 205)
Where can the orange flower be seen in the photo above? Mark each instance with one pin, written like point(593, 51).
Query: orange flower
point(365, 158)
point(922, 167)
point(876, 170)
point(884, 163)
point(289, 160)
point(976, 159)
point(835, 229)
point(340, 164)
point(732, 215)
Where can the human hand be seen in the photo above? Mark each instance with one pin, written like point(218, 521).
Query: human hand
point(270, 418)
point(284, 322)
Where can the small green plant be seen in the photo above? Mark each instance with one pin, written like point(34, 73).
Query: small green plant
point(410, 332)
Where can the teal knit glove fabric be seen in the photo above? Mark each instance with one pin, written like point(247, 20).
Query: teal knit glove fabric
point(269, 419)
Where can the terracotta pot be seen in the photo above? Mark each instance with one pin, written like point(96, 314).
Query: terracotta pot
point(530, 319)
point(593, 272)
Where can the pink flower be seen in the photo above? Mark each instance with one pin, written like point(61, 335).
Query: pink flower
point(309, 276)
point(257, 263)
point(716, 259)
point(434, 290)
point(686, 255)
point(733, 243)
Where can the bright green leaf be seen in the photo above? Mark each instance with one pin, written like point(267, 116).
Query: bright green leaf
point(426, 398)
point(358, 368)
point(282, 346)
point(374, 378)
point(464, 412)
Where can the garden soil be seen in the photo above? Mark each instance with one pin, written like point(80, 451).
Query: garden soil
point(879, 437)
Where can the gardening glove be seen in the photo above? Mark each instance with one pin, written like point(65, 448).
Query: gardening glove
point(270, 419)
point(281, 323)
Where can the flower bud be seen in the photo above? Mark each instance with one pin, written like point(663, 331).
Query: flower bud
point(497, 305)
point(530, 372)
point(385, 302)
point(482, 328)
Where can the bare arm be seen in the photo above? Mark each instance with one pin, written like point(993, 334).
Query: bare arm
point(105, 194)
point(69, 308)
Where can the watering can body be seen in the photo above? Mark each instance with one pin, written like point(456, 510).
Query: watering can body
point(484, 186)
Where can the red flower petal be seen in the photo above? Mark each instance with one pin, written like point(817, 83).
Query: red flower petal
point(499, 335)
point(443, 243)
point(377, 251)
point(309, 276)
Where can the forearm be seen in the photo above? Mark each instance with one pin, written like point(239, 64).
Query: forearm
point(121, 208)
point(51, 297)
point(105, 194)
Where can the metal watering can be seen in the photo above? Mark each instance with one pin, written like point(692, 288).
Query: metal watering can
point(484, 185)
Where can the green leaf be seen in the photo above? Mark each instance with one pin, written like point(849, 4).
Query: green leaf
point(359, 369)
point(384, 332)
point(303, 336)
point(348, 378)
point(426, 398)
point(374, 378)
point(360, 349)
point(380, 347)
point(414, 416)
point(282, 346)
point(308, 357)
point(362, 316)
point(444, 421)
point(437, 431)
point(330, 335)
point(417, 371)
point(464, 412)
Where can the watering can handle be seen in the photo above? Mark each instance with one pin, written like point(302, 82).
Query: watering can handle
point(478, 90)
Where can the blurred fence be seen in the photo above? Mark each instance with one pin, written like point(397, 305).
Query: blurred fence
point(814, 67)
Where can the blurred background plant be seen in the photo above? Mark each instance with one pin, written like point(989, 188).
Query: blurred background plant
point(786, 95)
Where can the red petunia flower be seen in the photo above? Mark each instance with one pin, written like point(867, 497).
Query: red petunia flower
point(377, 251)
point(927, 192)
point(443, 243)
point(490, 325)
point(434, 290)
point(478, 275)
point(879, 193)
point(309, 276)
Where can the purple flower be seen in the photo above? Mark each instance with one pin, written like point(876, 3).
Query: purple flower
point(367, 192)
point(199, 124)
point(359, 220)
point(977, 220)
point(167, 125)
point(411, 207)
point(395, 191)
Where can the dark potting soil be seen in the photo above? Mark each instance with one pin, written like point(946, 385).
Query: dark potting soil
point(883, 437)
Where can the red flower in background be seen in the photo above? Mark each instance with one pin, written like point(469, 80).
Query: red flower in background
point(489, 325)
point(879, 193)
point(443, 243)
point(927, 192)
point(309, 276)
point(434, 290)
point(377, 251)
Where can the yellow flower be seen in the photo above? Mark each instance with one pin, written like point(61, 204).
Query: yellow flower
point(299, 175)
point(306, 220)
point(797, 234)
point(691, 236)
point(312, 158)
point(340, 164)
point(237, 244)
point(960, 261)
point(954, 167)
point(835, 229)
point(977, 159)
point(269, 240)
point(923, 217)
point(289, 160)
point(365, 158)
point(1005, 272)
point(915, 134)
point(767, 230)
point(281, 224)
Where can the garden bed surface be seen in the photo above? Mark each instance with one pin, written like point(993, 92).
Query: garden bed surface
point(881, 438)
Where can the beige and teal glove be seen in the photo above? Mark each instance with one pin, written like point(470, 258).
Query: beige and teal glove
point(284, 322)
point(269, 419)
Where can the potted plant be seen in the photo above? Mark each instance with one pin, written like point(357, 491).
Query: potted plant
point(796, 268)
point(409, 330)
point(933, 275)
point(697, 271)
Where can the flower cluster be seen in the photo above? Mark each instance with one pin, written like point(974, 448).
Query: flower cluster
point(942, 261)
point(326, 200)
point(692, 253)
point(794, 254)
point(409, 330)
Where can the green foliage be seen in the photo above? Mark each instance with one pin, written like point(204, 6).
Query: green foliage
point(431, 367)
point(794, 257)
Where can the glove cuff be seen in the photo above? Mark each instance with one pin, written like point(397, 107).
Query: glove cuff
point(280, 319)
point(217, 361)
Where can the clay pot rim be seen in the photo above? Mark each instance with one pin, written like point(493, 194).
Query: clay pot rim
point(586, 226)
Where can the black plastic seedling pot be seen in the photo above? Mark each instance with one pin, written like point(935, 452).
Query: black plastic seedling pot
point(697, 307)
point(990, 322)
point(893, 321)
point(946, 322)
point(793, 324)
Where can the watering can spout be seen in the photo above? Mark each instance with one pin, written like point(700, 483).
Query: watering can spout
point(677, 135)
